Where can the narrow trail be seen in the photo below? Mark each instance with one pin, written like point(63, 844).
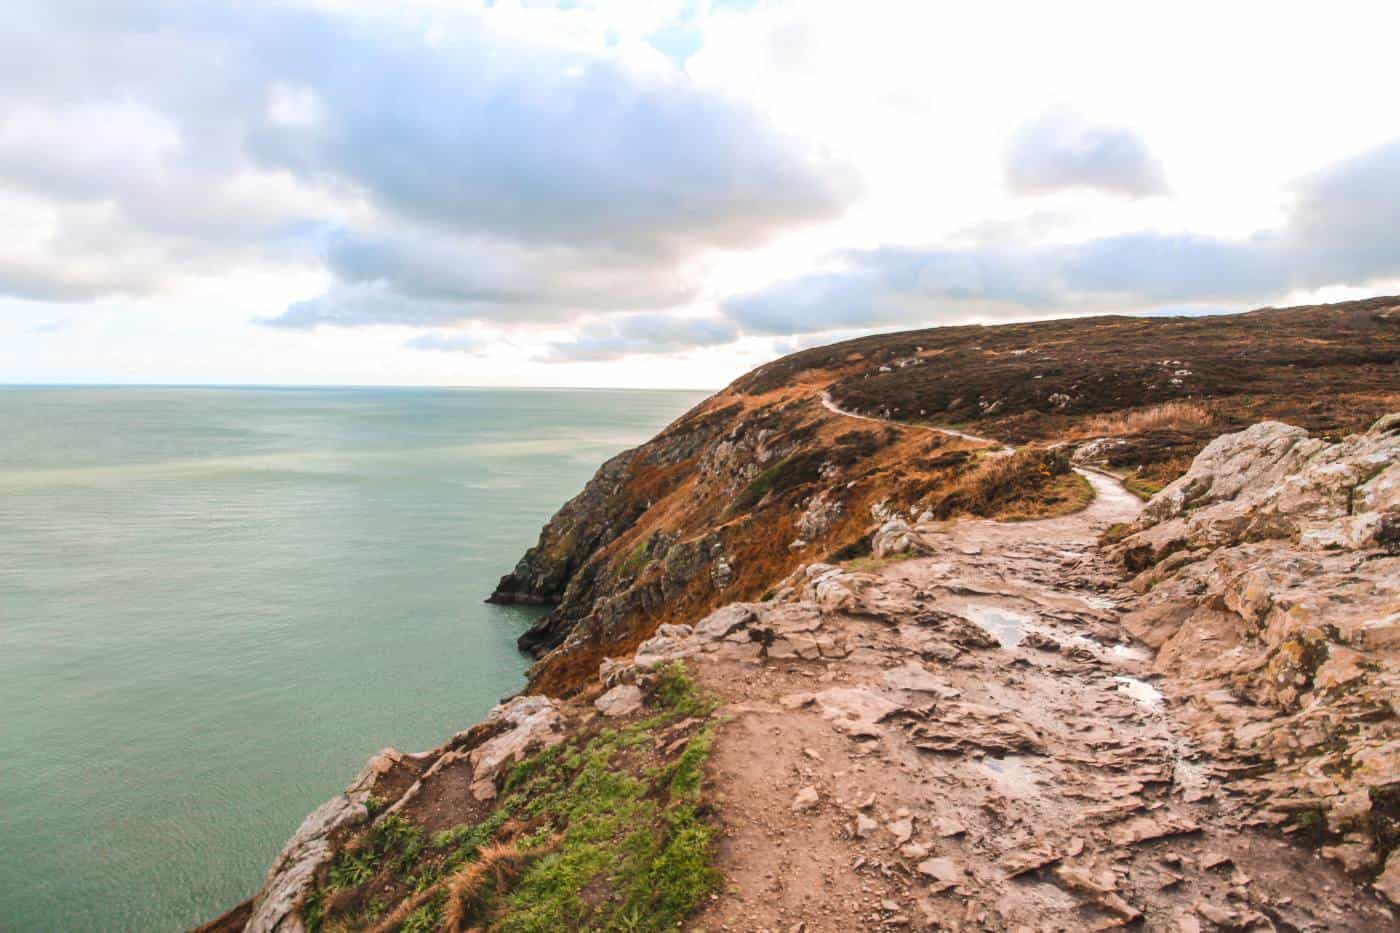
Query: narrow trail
point(969, 740)
point(1001, 450)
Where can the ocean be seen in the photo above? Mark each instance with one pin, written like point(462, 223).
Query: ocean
point(216, 603)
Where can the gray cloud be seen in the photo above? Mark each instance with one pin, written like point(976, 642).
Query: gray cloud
point(413, 276)
point(468, 344)
point(1340, 231)
point(641, 334)
point(1060, 152)
point(475, 172)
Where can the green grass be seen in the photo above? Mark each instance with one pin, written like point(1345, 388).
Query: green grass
point(871, 564)
point(615, 838)
point(1144, 489)
point(637, 558)
point(635, 852)
point(754, 492)
point(426, 918)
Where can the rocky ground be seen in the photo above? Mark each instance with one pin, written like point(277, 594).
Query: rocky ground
point(969, 740)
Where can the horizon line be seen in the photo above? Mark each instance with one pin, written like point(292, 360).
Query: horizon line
point(340, 385)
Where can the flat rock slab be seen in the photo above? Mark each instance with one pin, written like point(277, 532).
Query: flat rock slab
point(620, 700)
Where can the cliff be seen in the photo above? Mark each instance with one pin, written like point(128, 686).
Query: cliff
point(764, 477)
point(814, 668)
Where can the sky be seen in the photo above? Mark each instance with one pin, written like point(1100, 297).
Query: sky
point(662, 193)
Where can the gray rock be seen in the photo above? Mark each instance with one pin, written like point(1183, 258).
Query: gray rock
point(533, 722)
point(620, 701)
point(942, 869)
point(292, 875)
point(670, 643)
point(807, 799)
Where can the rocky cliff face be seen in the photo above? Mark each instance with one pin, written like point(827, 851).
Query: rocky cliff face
point(762, 477)
point(1270, 582)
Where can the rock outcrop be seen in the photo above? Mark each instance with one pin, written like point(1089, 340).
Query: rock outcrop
point(293, 872)
point(1269, 577)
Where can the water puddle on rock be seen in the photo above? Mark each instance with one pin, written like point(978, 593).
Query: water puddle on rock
point(1117, 651)
point(1140, 690)
point(1011, 774)
point(1004, 625)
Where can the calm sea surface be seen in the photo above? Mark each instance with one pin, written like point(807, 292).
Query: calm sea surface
point(215, 604)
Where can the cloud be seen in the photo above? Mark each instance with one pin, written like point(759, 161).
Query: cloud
point(641, 334)
point(457, 160)
point(57, 326)
point(411, 276)
point(1060, 152)
point(1339, 231)
point(468, 344)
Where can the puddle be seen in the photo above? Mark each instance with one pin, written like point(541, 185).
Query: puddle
point(1140, 690)
point(1004, 625)
point(1130, 652)
point(1117, 650)
point(1011, 774)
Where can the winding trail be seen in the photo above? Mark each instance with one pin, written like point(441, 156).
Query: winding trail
point(1001, 450)
point(968, 739)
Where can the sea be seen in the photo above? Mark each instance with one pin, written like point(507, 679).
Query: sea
point(217, 603)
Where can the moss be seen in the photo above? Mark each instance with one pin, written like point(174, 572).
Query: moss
point(1140, 486)
point(1115, 533)
point(637, 558)
point(869, 564)
point(755, 491)
point(676, 693)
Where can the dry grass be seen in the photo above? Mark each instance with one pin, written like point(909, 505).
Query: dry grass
point(494, 869)
point(489, 874)
point(1167, 416)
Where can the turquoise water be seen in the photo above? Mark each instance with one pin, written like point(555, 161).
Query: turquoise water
point(215, 604)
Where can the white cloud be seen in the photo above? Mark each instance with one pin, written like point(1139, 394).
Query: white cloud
point(1335, 234)
point(505, 175)
point(641, 334)
point(1060, 152)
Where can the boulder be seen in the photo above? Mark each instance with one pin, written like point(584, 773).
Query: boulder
point(530, 724)
point(670, 643)
point(619, 701)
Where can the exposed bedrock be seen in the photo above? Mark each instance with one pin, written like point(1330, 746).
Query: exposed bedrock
point(1270, 586)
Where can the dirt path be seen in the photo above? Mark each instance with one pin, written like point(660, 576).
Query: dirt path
point(1002, 450)
point(968, 740)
